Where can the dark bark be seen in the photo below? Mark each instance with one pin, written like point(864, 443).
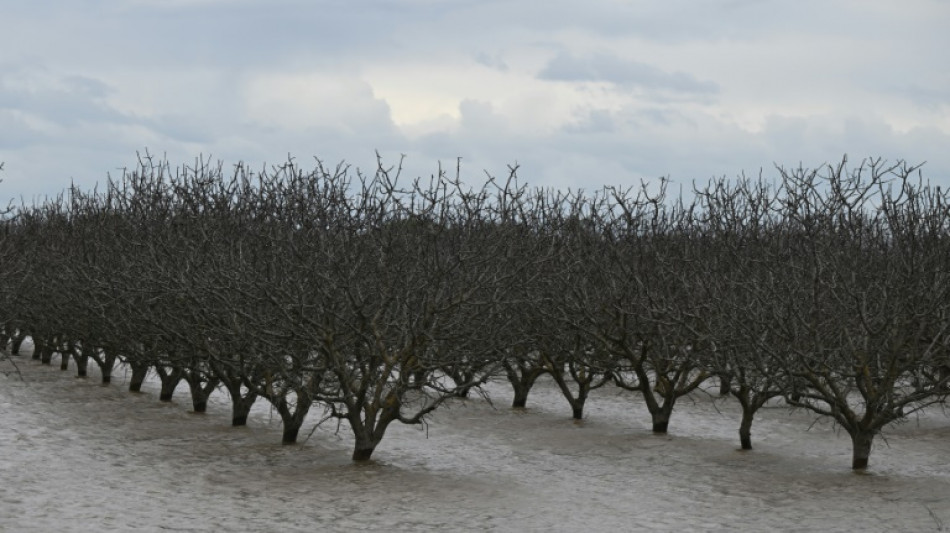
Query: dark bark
point(751, 402)
point(725, 384)
point(240, 403)
point(660, 423)
point(201, 389)
point(521, 398)
point(170, 379)
point(745, 428)
point(522, 378)
point(861, 443)
point(46, 354)
point(104, 358)
point(292, 416)
point(16, 343)
point(39, 346)
point(363, 451)
point(82, 365)
point(369, 430)
point(366, 441)
point(290, 434)
point(139, 372)
point(575, 401)
point(577, 410)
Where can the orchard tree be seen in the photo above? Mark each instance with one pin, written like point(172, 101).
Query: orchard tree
point(870, 279)
point(741, 244)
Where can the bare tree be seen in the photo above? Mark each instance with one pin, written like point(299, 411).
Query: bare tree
point(870, 292)
point(741, 239)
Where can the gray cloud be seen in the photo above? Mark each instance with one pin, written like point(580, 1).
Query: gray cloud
point(65, 67)
point(604, 67)
point(64, 101)
point(927, 97)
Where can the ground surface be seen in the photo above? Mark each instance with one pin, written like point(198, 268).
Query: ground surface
point(77, 456)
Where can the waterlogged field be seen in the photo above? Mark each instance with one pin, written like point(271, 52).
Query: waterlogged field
point(78, 456)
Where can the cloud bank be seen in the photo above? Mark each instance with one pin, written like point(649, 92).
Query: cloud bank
point(578, 95)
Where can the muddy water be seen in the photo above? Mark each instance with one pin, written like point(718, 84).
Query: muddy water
point(78, 456)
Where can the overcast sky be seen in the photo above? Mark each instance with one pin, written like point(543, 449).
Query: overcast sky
point(580, 94)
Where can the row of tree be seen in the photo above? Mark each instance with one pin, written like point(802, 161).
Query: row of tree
point(377, 300)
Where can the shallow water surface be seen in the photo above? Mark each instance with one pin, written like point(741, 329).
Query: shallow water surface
point(79, 456)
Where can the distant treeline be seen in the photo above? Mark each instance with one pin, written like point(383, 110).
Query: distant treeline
point(375, 299)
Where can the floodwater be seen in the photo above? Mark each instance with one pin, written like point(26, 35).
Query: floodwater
point(79, 456)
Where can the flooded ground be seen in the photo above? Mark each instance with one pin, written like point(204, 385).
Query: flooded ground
point(78, 456)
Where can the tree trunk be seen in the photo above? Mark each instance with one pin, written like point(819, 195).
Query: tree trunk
point(170, 380)
point(106, 364)
point(522, 378)
point(577, 409)
point(46, 356)
point(521, 397)
point(104, 358)
point(369, 431)
point(82, 365)
point(139, 372)
point(7, 333)
point(725, 385)
point(38, 348)
point(745, 428)
point(365, 443)
point(64, 361)
point(861, 443)
point(290, 434)
point(240, 404)
point(292, 419)
point(16, 343)
point(363, 451)
point(661, 418)
point(200, 390)
point(240, 409)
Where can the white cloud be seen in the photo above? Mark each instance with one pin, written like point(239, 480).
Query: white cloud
point(316, 100)
point(579, 93)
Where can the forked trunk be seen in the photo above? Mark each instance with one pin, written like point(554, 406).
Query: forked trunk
point(200, 390)
point(660, 413)
point(240, 403)
point(292, 417)
point(105, 359)
point(170, 380)
point(369, 431)
point(521, 379)
point(365, 443)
